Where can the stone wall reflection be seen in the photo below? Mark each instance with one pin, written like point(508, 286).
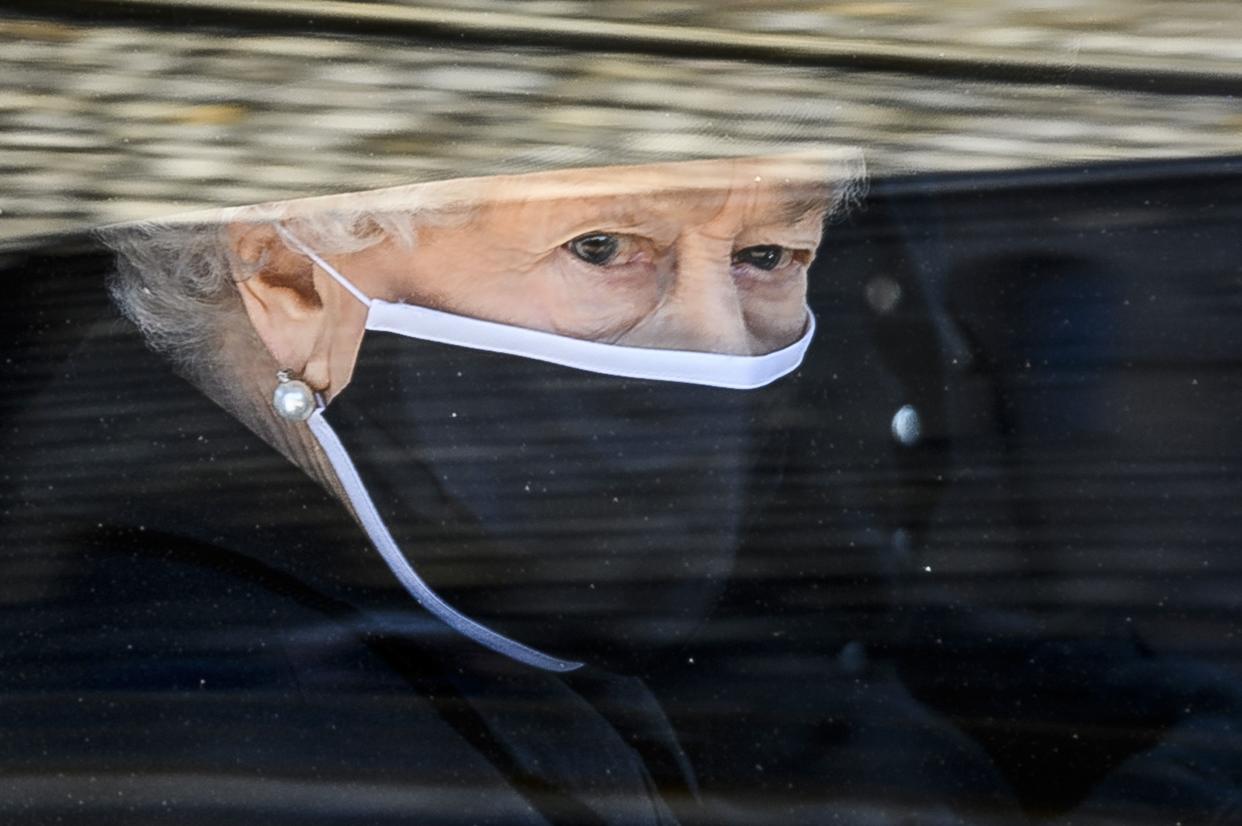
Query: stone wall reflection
point(102, 123)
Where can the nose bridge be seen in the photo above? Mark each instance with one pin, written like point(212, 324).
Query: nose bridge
point(705, 297)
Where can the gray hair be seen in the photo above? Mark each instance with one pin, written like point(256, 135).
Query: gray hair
point(177, 281)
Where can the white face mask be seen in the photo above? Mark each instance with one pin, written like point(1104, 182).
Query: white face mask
point(634, 365)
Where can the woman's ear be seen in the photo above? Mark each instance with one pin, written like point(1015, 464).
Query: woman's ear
point(293, 306)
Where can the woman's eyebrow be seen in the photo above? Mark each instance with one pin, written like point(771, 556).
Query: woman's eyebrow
point(641, 208)
point(635, 209)
point(669, 195)
point(803, 206)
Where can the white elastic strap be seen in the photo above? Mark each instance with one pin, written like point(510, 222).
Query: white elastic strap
point(413, 583)
point(297, 244)
point(687, 366)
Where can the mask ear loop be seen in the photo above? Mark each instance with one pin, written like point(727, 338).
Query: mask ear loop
point(297, 244)
point(382, 539)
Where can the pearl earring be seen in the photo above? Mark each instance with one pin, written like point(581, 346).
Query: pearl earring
point(294, 400)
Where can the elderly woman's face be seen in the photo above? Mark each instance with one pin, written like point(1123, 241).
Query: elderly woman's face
point(709, 256)
point(701, 257)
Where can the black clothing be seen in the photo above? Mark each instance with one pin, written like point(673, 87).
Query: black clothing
point(184, 610)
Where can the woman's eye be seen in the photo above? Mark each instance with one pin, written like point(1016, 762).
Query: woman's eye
point(597, 248)
point(768, 257)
